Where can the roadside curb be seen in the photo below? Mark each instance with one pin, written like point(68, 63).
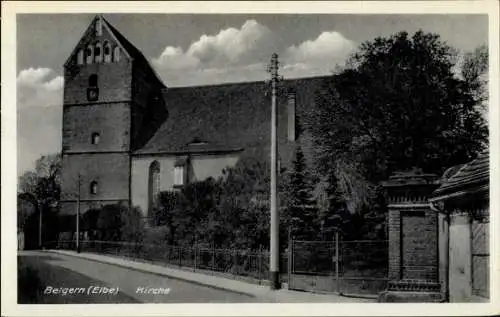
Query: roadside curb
point(163, 274)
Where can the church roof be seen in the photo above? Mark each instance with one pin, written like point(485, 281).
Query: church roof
point(227, 117)
point(473, 175)
point(134, 52)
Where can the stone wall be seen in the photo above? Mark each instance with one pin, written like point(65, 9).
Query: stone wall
point(111, 121)
point(110, 171)
point(114, 82)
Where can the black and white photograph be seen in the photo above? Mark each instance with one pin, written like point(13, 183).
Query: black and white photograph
point(250, 157)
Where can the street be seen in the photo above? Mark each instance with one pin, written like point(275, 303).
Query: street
point(61, 279)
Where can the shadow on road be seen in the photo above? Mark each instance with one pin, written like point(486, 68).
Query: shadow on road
point(35, 275)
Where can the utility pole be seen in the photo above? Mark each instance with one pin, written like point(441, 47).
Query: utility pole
point(78, 216)
point(274, 243)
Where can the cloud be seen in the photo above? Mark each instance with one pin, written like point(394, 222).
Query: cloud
point(227, 52)
point(241, 54)
point(232, 46)
point(319, 56)
point(328, 45)
point(39, 115)
point(38, 87)
point(175, 58)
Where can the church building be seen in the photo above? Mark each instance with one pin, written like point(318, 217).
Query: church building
point(126, 136)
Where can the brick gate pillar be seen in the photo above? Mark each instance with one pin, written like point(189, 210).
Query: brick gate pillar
point(413, 238)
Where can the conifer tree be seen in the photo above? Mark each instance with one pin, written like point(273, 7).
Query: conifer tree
point(300, 207)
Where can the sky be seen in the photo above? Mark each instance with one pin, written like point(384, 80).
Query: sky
point(201, 49)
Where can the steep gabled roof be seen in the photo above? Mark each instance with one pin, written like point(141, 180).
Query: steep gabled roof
point(133, 52)
point(129, 49)
point(471, 176)
point(227, 117)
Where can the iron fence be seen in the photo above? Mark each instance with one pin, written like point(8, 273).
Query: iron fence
point(253, 265)
point(345, 267)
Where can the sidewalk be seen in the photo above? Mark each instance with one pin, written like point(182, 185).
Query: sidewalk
point(258, 291)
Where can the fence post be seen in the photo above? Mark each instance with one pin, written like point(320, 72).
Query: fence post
point(169, 248)
point(195, 256)
point(337, 259)
point(180, 254)
point(290, 256)
point(213, 258)
point(235, 261)
point(260, 262)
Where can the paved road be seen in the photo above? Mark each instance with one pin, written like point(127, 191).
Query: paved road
point(64, 272)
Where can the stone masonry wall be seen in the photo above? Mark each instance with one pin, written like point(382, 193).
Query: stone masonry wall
point(111, 121)
point(110, 171)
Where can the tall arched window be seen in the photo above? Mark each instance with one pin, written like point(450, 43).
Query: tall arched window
point(116, 54)
point(98, 52)
point(154, 183)
point(89, 55)
point(107, 52)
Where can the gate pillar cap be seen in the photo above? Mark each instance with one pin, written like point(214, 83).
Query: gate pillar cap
point(414, 177)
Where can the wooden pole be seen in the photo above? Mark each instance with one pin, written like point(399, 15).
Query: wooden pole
point(274, 243)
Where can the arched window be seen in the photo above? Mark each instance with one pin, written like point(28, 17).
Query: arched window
point(98, 52)
point(89, 55)
point(79, 57)
point(96, 137)
point(93, 80)
point(154, 183)
point(93, 188)
point(116, 54)
point(107, 52)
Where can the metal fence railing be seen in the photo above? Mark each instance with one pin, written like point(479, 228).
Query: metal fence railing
point(342, 267)
point(233, 262)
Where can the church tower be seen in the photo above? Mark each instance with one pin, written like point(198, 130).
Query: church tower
point(113, 104)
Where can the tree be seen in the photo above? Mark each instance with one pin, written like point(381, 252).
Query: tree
point(333, 215)
point(474, 71)
point(43, 184)
point(109, 222)
point(398, 106)
point(132, 224)
point(164, 213)
point(300, 206)
point(243, 204)
point(28, 182)
point(230, 212)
